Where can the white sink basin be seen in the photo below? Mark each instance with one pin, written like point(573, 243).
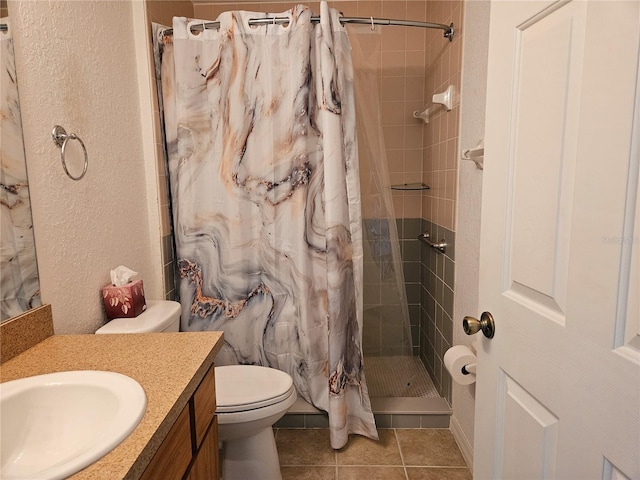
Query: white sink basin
point(54, 425)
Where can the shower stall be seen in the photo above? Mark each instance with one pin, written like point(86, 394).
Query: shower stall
point(391, 265)
point(408, 285)
point(408, 172)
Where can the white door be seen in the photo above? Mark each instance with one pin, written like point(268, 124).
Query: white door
point(558, 387)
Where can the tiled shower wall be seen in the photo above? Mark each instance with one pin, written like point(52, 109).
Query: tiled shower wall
point(436, 302)
point(440, 172)
point(429, 282)
point(414, 64)
point(433, 210)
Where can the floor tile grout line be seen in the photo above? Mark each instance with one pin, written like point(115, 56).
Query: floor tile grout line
point(440, 467)
point(404, 467)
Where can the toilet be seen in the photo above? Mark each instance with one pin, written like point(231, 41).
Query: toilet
point(250, 399)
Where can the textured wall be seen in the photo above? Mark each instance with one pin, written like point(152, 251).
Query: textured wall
point(474, 84)
point(77, 68)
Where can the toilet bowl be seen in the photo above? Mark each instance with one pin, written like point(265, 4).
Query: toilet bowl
point(249, 398)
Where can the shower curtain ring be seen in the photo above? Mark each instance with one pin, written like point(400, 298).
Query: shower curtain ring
point(373, 27)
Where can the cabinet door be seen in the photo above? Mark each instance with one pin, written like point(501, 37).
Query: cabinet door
point(174, 455)
point(204, 403)
point(205, 466)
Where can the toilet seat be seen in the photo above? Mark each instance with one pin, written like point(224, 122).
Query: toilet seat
point(247, 387)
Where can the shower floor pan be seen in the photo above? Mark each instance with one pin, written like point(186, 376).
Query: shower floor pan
point(398, 377)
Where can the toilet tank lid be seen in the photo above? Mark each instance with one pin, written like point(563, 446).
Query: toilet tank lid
point(156, 318)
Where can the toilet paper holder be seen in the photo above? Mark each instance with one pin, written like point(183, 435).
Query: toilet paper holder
point(469, 369)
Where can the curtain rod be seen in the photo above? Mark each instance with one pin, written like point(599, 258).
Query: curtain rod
point(448, 29)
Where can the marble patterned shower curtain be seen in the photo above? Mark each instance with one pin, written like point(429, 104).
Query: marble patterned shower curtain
point(261, 141)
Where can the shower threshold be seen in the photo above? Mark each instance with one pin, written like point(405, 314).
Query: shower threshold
point(389, 412)
point(402, 396)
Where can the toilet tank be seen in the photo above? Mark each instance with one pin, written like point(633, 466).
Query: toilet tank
point(160, 316)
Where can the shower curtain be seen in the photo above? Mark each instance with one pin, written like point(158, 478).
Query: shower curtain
point(262, 153)
point(387, 330)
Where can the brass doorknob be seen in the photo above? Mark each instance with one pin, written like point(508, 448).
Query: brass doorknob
point(486, 323)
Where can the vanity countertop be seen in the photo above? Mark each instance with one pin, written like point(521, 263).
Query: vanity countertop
point(169, 366)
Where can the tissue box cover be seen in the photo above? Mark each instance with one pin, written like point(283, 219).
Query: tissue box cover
point(126, 301)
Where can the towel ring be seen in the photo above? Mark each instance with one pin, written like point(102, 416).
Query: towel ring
point(61, 138)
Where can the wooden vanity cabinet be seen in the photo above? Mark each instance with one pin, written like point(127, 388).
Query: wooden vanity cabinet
point(206, 464)
point(190, 449)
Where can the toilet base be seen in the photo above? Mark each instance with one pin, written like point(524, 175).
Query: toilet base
point(251, 458)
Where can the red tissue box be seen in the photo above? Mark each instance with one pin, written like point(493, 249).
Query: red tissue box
point(125, 301)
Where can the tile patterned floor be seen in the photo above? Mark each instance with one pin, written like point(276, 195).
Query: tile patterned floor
point(402, 454)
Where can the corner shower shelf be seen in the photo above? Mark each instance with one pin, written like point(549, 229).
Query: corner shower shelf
point(410, 186)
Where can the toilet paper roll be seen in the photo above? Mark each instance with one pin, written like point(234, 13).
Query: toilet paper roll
point(457, 357)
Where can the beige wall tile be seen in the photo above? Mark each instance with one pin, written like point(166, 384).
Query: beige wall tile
point(413, 160)
point(412, 205)
point(452, 154)
point(393, 89)
point(393, 113)
point(394, 9)
point(179, 9)
point(395, 159)
point(159, 152)
point(394, 137)
point(205, 11)
point(398, 204)
point(413, 136)
point(450, 215)
point(415, 36)
point(369, 8)
point(165, 220)
point(393, 39)
point(427, 204)
point(348, 9)
point(417, 10)
point(414, 62)
point(163, 196)
point(396, 178)
point(414, 88)
point(393, 64)
point(451, 182)
point(442, 157)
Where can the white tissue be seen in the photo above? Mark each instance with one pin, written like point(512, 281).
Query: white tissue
point(122, 275)
point(457, 357)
